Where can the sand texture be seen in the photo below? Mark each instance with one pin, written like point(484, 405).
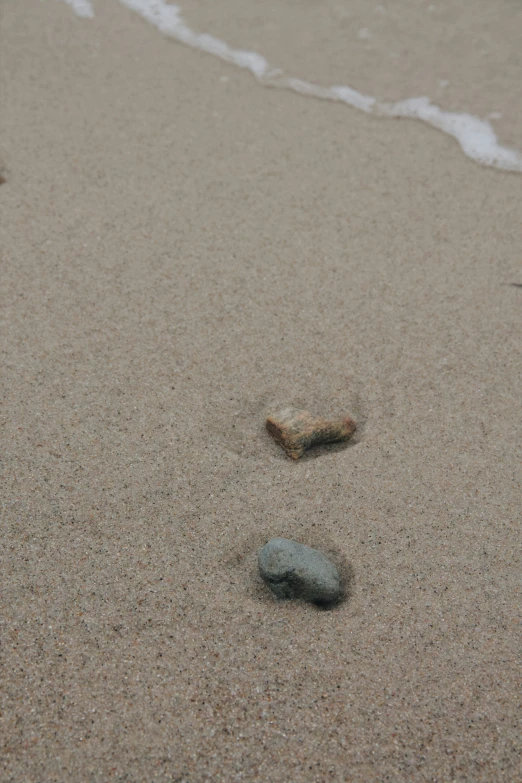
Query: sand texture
point(184, 252)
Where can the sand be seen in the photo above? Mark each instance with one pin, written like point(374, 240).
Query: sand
point(183, 252)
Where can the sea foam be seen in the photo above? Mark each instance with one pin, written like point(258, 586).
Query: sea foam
point(82, 8)
point(476, 137)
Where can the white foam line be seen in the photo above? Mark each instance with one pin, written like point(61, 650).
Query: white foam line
point(81, 8)
point(475, 136)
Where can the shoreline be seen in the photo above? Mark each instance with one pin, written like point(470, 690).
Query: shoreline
point(183, 255)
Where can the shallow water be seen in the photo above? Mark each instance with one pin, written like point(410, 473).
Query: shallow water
point(452, 66)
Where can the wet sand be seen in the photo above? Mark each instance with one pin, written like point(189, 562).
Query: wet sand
point(184, 252)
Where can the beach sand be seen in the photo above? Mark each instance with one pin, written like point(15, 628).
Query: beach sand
point(185, 251)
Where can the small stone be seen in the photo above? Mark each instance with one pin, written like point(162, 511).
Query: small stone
point(296, 430)
point(294, 570)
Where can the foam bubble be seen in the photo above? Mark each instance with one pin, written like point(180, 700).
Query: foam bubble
point(476, 137)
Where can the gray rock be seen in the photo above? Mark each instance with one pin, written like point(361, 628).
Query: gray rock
point(293, 570)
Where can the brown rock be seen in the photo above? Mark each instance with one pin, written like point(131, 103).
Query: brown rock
point(297, 430)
